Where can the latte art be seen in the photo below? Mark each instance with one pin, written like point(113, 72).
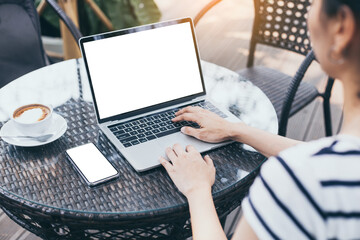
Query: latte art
point(31, 113)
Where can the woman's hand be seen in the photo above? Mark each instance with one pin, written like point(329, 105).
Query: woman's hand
point(212, 129)
point(188, 170)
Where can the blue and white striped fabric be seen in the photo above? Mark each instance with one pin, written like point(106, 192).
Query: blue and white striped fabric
point(310, 191)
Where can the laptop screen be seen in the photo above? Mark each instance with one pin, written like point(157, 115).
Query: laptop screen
point(142, 67)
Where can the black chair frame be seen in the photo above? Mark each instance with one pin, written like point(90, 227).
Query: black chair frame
point(67, 21)
point(13, 62)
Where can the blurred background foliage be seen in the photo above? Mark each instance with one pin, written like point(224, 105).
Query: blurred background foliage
point(122, 14)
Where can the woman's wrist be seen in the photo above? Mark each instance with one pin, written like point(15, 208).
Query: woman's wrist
point(198, 193)
point(236, 130)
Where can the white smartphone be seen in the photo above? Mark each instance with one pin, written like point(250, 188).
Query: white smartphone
point(91, 164)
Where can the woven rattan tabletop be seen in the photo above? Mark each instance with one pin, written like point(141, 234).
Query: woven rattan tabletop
point(42, 179)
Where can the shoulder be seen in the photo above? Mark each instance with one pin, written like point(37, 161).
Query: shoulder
point(323, 159)
point(282, 201)
point(288, 196)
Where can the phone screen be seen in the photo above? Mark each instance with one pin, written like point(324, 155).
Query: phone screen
point(91, 163)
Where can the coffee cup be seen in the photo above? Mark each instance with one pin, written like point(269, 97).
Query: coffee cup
point(32, 119)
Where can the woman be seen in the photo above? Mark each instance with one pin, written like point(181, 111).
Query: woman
point(309, 190)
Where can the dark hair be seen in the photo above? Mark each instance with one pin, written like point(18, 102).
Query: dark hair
point(331, 7)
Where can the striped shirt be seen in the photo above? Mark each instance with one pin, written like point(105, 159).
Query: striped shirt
point(310, 191)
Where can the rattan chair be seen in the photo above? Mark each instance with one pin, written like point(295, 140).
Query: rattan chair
point(21, 46)
point(282, 24)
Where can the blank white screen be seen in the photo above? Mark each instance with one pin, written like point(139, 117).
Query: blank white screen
point(141, 69)
point(91, 162)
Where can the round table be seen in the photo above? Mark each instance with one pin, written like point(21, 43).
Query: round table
point(40, 190)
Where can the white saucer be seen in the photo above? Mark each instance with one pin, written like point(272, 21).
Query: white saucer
point(58, 127)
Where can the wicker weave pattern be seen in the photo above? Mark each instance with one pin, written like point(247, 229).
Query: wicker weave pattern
point(53, 183)
point(41, 191)
point(260, 76)
point(282, 23)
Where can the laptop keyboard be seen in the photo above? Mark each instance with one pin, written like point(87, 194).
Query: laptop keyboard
point(154, 126)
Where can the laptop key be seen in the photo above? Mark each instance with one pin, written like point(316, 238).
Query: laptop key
point(119, 132)
point(133, 133)
point(142, 140)
point(141, 135)
point(184, 123)
point(121, 136)
point(136, 142)
point(162, 134)
point(148, 133)
point(128, 125)
point(151, 137)
point(163, 129)
point(141, 130)
point(156, 131)
point(113, 129)
point(128, 130)
point(132, 138)
point(120, 127)
point(170, 127)
point(127, 144)
point(155, 126)
point(148, 128)
point(143, 125)
point(157, 121)
point(135, 127)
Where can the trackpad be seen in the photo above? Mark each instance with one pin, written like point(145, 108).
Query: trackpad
point(184, 140)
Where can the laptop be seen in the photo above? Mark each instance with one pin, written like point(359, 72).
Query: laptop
point(139, 77)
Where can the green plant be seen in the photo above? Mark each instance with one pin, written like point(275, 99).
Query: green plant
point(122, 14)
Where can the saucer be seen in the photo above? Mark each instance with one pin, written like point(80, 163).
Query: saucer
point(58, 127)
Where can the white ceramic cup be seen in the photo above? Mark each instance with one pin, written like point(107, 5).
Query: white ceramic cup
point(33, 119)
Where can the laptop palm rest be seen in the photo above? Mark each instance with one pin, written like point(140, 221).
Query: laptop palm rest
point(146, 156)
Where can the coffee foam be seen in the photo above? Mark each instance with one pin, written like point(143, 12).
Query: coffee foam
point(31, 115)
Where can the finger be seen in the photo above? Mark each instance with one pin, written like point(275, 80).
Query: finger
point(197, 109)
point(191, 131)
point(190, 149)
point(186, 117)
point(189, 109)
point(171, 154)
point(184, 110)
point(208, 160)
point(166, 164)
point(181, 111)
point(178, 149)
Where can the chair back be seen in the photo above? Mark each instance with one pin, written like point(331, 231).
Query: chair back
point(20, 42)
point(281, 24)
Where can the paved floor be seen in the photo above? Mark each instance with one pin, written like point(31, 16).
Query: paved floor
point(223, 36)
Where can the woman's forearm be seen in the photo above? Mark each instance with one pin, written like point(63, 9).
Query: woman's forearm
point(204, 220)
point(266, 143)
